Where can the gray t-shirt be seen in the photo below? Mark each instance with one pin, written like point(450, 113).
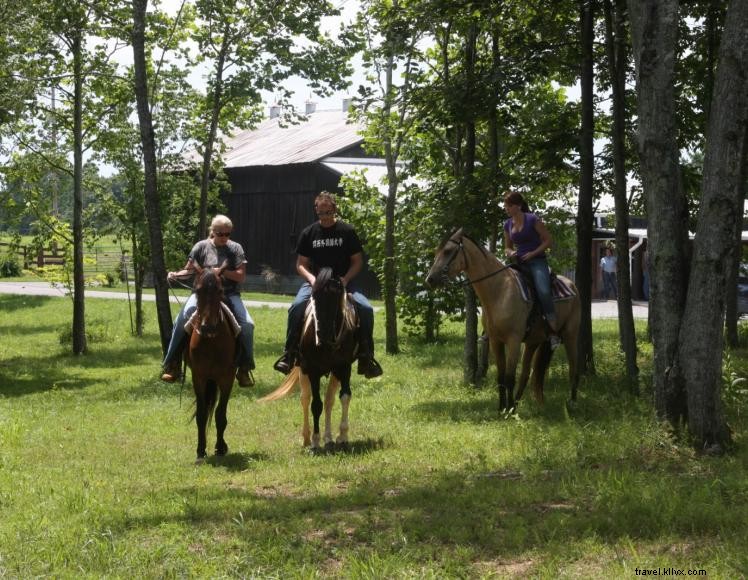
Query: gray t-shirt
point(206, 255)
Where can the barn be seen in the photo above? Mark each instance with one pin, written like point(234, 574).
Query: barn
point(275, 171)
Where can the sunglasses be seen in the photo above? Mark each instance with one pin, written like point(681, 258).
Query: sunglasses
point(222, 234)
point(325, 213)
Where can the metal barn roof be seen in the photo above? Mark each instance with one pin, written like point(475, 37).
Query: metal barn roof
point(324, 133)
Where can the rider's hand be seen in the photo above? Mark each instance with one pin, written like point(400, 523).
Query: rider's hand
point(170, 276)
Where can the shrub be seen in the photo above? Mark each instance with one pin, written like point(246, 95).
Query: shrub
point(9, 267)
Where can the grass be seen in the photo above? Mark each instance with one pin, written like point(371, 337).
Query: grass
point(97, 475)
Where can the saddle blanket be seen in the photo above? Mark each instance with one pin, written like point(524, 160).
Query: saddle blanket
point(559, 289)
point(236, 329)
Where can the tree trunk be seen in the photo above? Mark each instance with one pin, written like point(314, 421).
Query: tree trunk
point(390, 264)
point(615, 42)
point(152, 202)
point(654, 25)
point(699, 362)
point(584, 211)
point(79, 305)
point(471, 300)
point(215, 112)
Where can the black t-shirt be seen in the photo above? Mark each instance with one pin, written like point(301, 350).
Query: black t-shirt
point(329, 247)
point(206, 255)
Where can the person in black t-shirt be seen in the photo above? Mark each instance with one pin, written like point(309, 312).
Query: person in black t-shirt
point(331, 243)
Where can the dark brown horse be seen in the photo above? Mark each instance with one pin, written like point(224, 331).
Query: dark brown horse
point(328, 346)
point(210, 356)
point(505, 316)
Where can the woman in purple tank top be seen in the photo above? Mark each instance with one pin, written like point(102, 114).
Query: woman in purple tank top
point(526, 239)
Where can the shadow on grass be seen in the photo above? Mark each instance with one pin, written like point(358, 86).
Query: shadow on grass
point(480, 514)
point(11, 302)
point(235, 462)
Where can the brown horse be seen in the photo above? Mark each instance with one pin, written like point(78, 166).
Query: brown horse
point(506, 314)
point(210, 356)
point(329, 345)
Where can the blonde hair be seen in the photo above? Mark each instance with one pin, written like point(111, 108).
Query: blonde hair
point(220, 221)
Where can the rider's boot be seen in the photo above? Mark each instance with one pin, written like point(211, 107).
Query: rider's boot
point(172, 371)
point(367, 364)
point(286, 362)
point(244, 376)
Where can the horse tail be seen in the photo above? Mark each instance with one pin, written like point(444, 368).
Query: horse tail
point(541, 361)
point(285, 388)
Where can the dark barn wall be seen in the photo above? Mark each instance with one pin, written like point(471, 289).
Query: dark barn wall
point(269, 206)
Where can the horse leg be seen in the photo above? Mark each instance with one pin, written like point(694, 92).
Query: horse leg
point(316, 409)
point(512, 358)
point(500, 355)
point(570, 345)
point(306, 397)
point(345, 401)
point(222, 419)
point(201, 418)
point(332, 389)
point(525, 372)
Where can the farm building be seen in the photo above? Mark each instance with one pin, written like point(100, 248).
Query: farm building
point(275, 171)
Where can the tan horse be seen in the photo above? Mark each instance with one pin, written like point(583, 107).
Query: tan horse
point(505, 316)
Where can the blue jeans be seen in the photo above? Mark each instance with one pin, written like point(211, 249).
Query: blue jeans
point(537, 270)
point(246, 336)
point(609, 284)
point(296, 318)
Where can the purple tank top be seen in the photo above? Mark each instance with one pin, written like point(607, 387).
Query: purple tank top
point(527, 239)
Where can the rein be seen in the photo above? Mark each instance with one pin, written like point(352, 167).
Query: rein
point(468, 282)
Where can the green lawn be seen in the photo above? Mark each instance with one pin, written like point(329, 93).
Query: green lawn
point(97, 473)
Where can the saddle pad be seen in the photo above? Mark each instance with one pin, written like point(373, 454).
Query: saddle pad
point(235, 328)
point(560, 290)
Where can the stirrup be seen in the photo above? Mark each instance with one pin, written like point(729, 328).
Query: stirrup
point(285, 363)
point(244, 377)
point(369, 367)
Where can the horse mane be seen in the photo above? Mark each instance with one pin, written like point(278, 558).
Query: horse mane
point(478, 245)
point(209, 290)
point(322, 279)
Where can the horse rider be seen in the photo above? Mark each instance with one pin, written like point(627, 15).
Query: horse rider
point(525, 240)
point(332, 243)
point(211, 253)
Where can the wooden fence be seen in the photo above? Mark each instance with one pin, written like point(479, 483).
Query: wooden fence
point(96, 260)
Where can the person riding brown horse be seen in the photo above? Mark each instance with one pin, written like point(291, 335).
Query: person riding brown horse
point(505, 314)
point(329, 345)
point(211, 358)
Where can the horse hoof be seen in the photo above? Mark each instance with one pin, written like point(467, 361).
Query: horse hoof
point(222, 452)
point(329, 446)
point(200, 460)
point(571, 406)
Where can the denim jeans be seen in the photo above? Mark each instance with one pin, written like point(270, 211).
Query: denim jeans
point(537, 270)
point(298, 307)
point(246, 336)
point(609, 284)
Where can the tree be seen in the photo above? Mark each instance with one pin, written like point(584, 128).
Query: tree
point(254, 47)
point(616, 45)
point(152, 202)
point(689, 306)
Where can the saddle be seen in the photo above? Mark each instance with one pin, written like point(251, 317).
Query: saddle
point(560, 291)
point(191, 324)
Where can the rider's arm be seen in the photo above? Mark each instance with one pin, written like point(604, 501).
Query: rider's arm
point(357, 262)
point(508, 245)
point(237, 275)
point(304, 268)
point(185, 271)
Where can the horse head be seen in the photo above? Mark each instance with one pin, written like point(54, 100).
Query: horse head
point(209, 292)
point(328, 294)
point(449, 261)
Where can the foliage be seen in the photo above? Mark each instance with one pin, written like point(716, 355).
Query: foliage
point(9, 266)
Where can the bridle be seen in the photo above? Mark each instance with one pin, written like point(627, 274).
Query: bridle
point(461, 247)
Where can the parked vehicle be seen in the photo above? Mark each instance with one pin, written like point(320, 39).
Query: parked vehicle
point(743, 296)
